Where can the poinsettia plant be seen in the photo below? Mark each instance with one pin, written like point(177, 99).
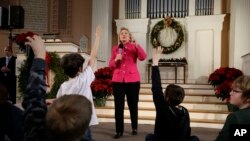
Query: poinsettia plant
point(222, 80)
point(21, 38)
point(102, 85)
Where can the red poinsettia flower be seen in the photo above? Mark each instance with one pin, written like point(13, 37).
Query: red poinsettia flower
point(21, 38)
point(102, 85)
point(222, 80)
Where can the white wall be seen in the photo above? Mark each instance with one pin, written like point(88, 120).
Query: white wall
point(239, 32)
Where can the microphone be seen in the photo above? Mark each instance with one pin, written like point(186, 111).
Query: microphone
point(121, 46)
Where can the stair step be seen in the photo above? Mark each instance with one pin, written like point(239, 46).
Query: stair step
point(188, 97)
point(153, 109)
point(188, 105)
point(151, 120)
point(205, 109)
point(185, 86)
point(150, 112)
point(193, 91)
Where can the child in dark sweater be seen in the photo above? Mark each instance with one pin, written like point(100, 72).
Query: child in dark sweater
point(172, 120)
point(240, 97)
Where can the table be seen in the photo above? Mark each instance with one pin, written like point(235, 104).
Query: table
point(175, 65)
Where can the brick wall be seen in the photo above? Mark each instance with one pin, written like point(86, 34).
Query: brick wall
point(36, 15)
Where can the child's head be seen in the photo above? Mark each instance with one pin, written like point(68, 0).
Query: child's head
point(3, 94)
point(240, 93)
point(68, 118)
point(72, 64)
point(174, 94)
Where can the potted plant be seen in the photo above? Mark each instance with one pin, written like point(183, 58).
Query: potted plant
point(222, 80)
point(102, 85)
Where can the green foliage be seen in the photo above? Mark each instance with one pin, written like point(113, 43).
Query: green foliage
point(154, 39)
point(23, 77)
point(59, 78)
point(54, 66)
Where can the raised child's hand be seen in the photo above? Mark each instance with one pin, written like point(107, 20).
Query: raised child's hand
point(37, 45)
point(156, 55)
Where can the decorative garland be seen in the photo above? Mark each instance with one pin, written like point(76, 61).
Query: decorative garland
point(172, 60)
point(161, 25)
point(53, 64)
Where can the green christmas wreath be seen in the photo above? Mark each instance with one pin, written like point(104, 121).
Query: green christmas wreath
point(160, 26)
point(54, 65)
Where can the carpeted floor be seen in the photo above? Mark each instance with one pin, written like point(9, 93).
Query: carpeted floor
point(106, 131)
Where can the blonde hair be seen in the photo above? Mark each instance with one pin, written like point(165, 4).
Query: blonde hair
point(243, 83)
point(124, 28)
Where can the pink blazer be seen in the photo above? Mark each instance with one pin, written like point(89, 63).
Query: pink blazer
point(126, 70)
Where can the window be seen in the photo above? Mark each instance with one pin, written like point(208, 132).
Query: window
point(163, 8)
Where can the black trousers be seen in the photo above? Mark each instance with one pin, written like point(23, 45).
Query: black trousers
point(10, 84)
point(131, 90)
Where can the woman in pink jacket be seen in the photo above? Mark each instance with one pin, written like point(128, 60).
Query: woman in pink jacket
point(126, 79)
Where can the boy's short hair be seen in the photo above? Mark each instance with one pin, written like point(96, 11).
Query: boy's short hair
point(174, 94)
point(243, 83)
point(3, 94)
point(71, 64)
point(68, 118)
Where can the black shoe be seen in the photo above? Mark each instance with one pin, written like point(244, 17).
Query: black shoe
point(134, 132)
point(118, 135)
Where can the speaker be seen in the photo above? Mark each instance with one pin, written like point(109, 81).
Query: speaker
point(16, 17)
point(3, 18)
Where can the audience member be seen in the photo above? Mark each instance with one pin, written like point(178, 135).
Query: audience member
point(10, 118)
point(66, 119)
point(172, 120)
point(81, 78)
point(240, 97)
point(8, 73)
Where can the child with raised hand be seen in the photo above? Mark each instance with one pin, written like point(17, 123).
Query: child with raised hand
point(65, 120)
point(81, 78)
point(172, 120)
point(240, 97)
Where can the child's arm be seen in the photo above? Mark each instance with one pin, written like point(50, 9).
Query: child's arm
point(95, 47)
point(156, 79)
point(34, 100)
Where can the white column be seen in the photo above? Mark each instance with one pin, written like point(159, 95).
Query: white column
point(102, 15)
point(121, 9)
point(246, 64)
point(217, 48)
point(199, 30)
point(191, 56)
point(217, 7)
point(191, 9)
point(144, 9)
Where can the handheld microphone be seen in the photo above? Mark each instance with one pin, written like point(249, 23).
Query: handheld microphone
point(121, 48)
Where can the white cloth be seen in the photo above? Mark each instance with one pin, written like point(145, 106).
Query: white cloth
point(80, 85)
